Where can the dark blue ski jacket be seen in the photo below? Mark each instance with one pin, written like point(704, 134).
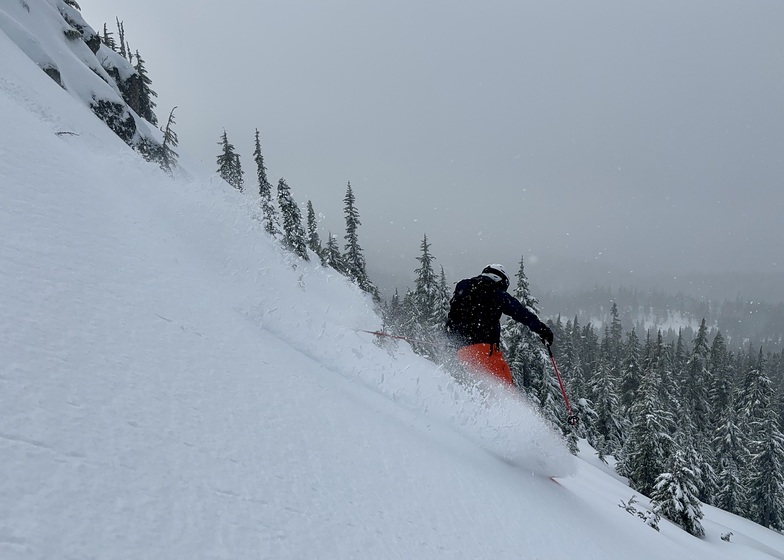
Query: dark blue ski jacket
point(475, 312)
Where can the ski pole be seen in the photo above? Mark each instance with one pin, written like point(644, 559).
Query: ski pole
point(572, 418)
point(379, 333)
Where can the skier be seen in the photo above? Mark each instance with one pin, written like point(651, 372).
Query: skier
point(474, 322)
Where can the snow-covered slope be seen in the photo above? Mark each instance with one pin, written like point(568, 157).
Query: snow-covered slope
point(173, 385)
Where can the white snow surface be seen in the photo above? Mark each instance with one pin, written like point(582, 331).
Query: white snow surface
point(174, 385)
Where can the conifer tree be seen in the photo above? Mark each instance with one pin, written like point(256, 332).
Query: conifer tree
point(410, 325)
point(313, 239)
point(442, 301)
point(523, 349)
point(720, 394)
point(731, 453)
point(613, 352)
point(170, 141)
point(589, 348)
point(766, 476)
point(699, 455)
point(333, 256)
point(423, 304)
point(631, 371)
point(675, 496)
point(293, 231)
point(353, 258)
point(647, 449)
point(764, 480)
point(261, 169)
point(268, 213)
point(606, 404)
point(679, 357)
point(575, 375)
point(662, 361)
point(528, 361)
point(124, 51)
point(146, 104)
point(567, 354)
point(696, 382)
point(393, 314)
point(108, 38)
point(229, 167)
point(425, 281)
point(756, 394)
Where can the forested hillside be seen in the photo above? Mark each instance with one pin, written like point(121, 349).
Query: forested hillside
point(686, 415)
point(739, 321)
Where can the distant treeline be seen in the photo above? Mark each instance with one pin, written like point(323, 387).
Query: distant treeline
point(739, 321)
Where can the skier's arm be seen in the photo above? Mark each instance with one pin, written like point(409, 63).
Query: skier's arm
point(520, 313)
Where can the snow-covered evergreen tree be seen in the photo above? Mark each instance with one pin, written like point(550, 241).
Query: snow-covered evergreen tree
point(679, 357)
point(604, 396)
point(756, 394)
point(170, 141)
point(696, 381)
point(353, 258)
point(694, 411)
point(527, 358)
point(589, 349)
point(293, 231)
point(648, 448)
point(423, 305)
point(269, 214)
point(631, 371)
point(145, 103)
point(523, 349)
point(765, 484)
point(313, 239)
point(765, 471)
point(574, 375)
point(393, 314)
point(107, 38)
point(661, 358)
point(675, 495)
point(613, 349)
point(731, 453)
point(333, 256)
point(720, 393)
point(229, 167)
point(124, 50)
point(443, 296)
point(425, 280)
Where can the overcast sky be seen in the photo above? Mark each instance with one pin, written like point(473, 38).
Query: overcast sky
point(615, 134)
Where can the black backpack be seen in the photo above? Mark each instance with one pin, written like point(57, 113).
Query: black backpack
point(474, 312)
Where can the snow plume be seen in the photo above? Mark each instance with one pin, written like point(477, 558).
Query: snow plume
point(173, 384)
point(504, 423)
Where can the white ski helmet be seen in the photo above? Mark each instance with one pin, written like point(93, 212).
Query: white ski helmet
point(497, 273)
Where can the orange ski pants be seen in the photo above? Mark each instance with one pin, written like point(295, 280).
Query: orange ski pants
point(485, 359)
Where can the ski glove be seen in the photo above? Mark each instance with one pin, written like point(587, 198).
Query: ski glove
point(545, 334)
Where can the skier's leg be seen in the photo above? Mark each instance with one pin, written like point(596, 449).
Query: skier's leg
point(484, 359)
